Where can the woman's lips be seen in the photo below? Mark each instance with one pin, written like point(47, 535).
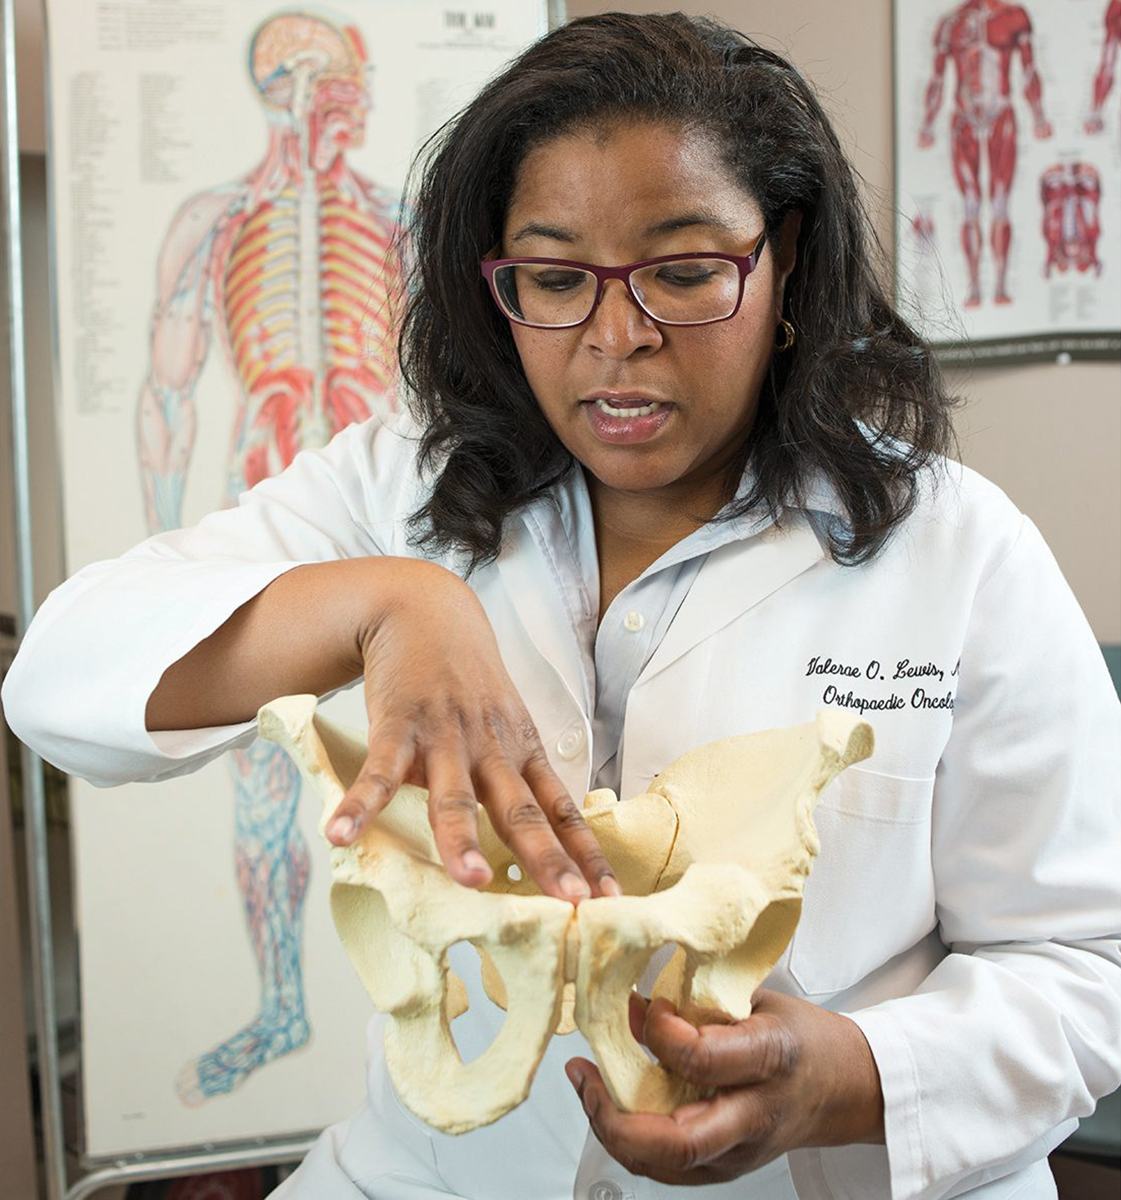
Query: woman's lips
point(626, 422)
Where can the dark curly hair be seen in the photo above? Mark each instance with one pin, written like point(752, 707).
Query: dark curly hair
point(859, 398)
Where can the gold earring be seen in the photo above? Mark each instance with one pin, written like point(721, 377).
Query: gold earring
point(788, 335)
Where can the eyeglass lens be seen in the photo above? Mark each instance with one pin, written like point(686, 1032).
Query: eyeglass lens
point(685, 291)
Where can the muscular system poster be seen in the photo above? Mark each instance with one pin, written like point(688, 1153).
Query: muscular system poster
point(226, 187)
point(1008, 176)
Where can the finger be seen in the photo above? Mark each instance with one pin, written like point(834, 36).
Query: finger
point(388, 758)
point(522, 824)
point(668, 1147)
point(739, 1119)
point(573, 832)
point(453, 812)
point(636, 1017)
point(744, 1052)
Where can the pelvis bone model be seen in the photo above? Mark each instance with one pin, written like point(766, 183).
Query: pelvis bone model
point(713, 858)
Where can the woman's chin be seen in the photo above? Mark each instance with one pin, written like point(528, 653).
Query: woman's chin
point(650, 476)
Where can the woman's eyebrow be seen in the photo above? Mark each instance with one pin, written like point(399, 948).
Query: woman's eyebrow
point(688, 219)
point(683, 220)
point(535, 229)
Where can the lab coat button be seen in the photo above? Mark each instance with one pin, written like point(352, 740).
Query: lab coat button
point(633, 621)
point(608, 1189)
point(571, 743)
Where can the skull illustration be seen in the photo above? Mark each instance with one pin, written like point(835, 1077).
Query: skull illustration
point(713, 859)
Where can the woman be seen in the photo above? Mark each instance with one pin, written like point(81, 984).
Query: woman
point(678, 481)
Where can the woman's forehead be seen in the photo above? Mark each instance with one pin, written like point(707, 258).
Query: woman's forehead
point(650, 178)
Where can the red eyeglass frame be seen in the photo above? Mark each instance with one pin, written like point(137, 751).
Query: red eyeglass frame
point(745, 264)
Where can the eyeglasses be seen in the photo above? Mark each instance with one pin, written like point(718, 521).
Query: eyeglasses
point(676, 289)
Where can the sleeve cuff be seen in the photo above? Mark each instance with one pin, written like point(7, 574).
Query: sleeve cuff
point(190, 745)
point(895, 1169)
point(899, 1081)
point(186, 750)
point(94, 727)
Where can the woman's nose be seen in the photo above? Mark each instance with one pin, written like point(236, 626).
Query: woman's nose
point(618, 327)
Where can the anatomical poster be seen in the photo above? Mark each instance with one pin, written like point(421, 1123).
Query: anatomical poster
point(226, 182)
point(1008, 177)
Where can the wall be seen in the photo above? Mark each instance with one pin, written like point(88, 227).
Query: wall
point(1049, 435)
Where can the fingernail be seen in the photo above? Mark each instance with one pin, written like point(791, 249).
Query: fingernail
point(609, 886)
point(574, 886)
point(474, 861)
point(575, 1075)
point(341, 829)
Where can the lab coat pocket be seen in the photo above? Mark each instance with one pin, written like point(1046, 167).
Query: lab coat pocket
point(870, 895)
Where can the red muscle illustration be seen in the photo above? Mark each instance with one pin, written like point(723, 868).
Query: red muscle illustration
point(982, 37)
point(1071, 194)
point(1103, 78)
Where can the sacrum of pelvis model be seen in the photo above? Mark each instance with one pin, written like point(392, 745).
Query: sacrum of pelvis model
point(712, 858)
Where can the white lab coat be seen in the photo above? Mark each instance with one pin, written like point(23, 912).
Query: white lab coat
point(965, 907)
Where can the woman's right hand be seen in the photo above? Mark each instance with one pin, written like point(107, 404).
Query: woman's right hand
point(445, 715)
point(443, 712)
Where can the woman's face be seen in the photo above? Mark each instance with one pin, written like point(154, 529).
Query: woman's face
point(632, 193)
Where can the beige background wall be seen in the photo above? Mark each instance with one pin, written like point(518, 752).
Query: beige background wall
point(1049, 435)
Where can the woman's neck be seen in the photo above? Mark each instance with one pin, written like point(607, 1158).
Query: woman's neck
point(634, 529)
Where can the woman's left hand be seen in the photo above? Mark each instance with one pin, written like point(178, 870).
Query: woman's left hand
point(791, 1074)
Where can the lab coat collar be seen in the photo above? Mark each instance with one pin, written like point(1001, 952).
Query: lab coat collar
point(741, 572)
point(733, 579)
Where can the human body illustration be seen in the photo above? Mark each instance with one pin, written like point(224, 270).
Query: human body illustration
point(982, 37)
point(1103, 77)
point(1071, 196)
point(290, 268)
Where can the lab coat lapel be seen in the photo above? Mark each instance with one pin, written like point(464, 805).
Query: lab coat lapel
point(734, 578)
point(534, 590)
